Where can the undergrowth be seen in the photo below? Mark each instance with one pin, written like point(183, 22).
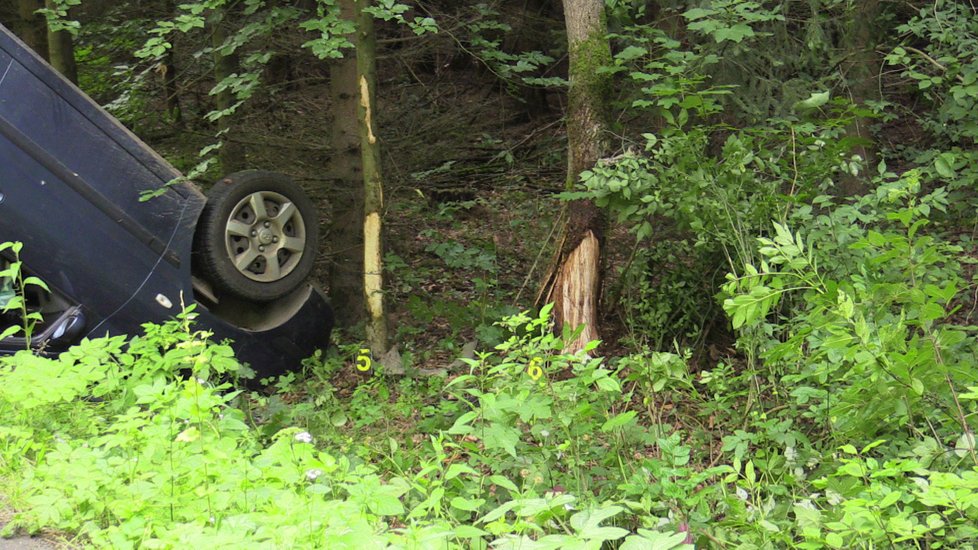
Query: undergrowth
point(146, 442)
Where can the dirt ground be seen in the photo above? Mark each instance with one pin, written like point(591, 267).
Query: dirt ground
point(43, 542)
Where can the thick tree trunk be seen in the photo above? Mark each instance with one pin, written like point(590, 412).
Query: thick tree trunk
point(576, 282)
point(31, 26)
point(61, 50)
point(232, 155)
point(346, 196)
point(373, 204)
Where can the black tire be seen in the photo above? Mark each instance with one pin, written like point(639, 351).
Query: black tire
point(257, 236)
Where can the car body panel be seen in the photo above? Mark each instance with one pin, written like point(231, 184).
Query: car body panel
point(71, 178)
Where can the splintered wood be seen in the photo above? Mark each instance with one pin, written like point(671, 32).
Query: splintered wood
point(575, 292)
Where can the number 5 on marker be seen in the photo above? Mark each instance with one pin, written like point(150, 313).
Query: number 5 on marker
point(363, 360)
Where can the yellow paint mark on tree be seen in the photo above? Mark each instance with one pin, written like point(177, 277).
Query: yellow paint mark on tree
point(373, 277)
point(367, 108)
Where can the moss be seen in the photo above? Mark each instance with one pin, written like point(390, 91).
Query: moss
point(587, 57)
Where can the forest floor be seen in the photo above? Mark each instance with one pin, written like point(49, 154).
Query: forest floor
point(472, 212)
point(41, 542)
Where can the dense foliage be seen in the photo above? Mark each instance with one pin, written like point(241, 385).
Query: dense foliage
point(789, 288)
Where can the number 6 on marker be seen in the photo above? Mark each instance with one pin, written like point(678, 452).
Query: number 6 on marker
point(363, 360)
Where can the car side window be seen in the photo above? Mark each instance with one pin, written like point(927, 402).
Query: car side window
point(7, 294)
point(56, 322)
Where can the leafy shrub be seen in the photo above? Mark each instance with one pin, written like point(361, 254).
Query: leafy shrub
point(694, 210)
point(867, 350)
point(143, 442)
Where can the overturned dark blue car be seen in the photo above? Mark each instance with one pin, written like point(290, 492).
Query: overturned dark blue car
point(73, 188)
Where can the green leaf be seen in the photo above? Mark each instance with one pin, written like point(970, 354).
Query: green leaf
point(736, 33)
point(697, 13)
point(458, 469)
point(500, 436)
point(834, 540)
point(461, 426)
point(890, 499)
point(469, 532)
point(504, 483)
point(498, 512)
point(944, 164)
point(653, 540)
point(965, 444)
point(769, 526)
point(587, 524)
point(814, 101)
point(631, 52)
point(467, 504)
point(931, 312)
point(618, 421)
point(34, 281)
point(608, 384)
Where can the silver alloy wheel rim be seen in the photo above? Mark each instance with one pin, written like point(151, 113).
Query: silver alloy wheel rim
point(265, 236)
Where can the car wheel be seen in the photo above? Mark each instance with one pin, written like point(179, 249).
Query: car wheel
point(258, 236)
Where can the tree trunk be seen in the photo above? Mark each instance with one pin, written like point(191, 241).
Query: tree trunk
point(346, 196)
point(31, 26)
point(576, 282)
point(61, 49)
point(169, 69)
point(232, 154)
point(862, 75)
point(532, 34)
point(373, 204)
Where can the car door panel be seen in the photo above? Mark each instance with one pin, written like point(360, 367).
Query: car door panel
point(83, 148)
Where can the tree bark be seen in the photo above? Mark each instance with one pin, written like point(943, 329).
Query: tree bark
point(61, 50)
point(168, 69)
point(373, 204)
point(862, 75)
point(346, 197)
point(232, 155)
point(31, 27)
point(576, 282)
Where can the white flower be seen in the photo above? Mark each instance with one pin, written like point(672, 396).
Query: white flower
point(313, 473)
point(790, 454)
point(544, 433)
point(303, 437)
point(833, 497)
point(742, 494)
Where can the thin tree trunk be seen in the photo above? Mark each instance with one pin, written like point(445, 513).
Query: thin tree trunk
point(862, 74)
point(61, 49)
point(373, 204)
point(31, 27)
point(576, 282)
point(346, 197)
point(531, 34)
point(232, 154)
point(169, 70)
